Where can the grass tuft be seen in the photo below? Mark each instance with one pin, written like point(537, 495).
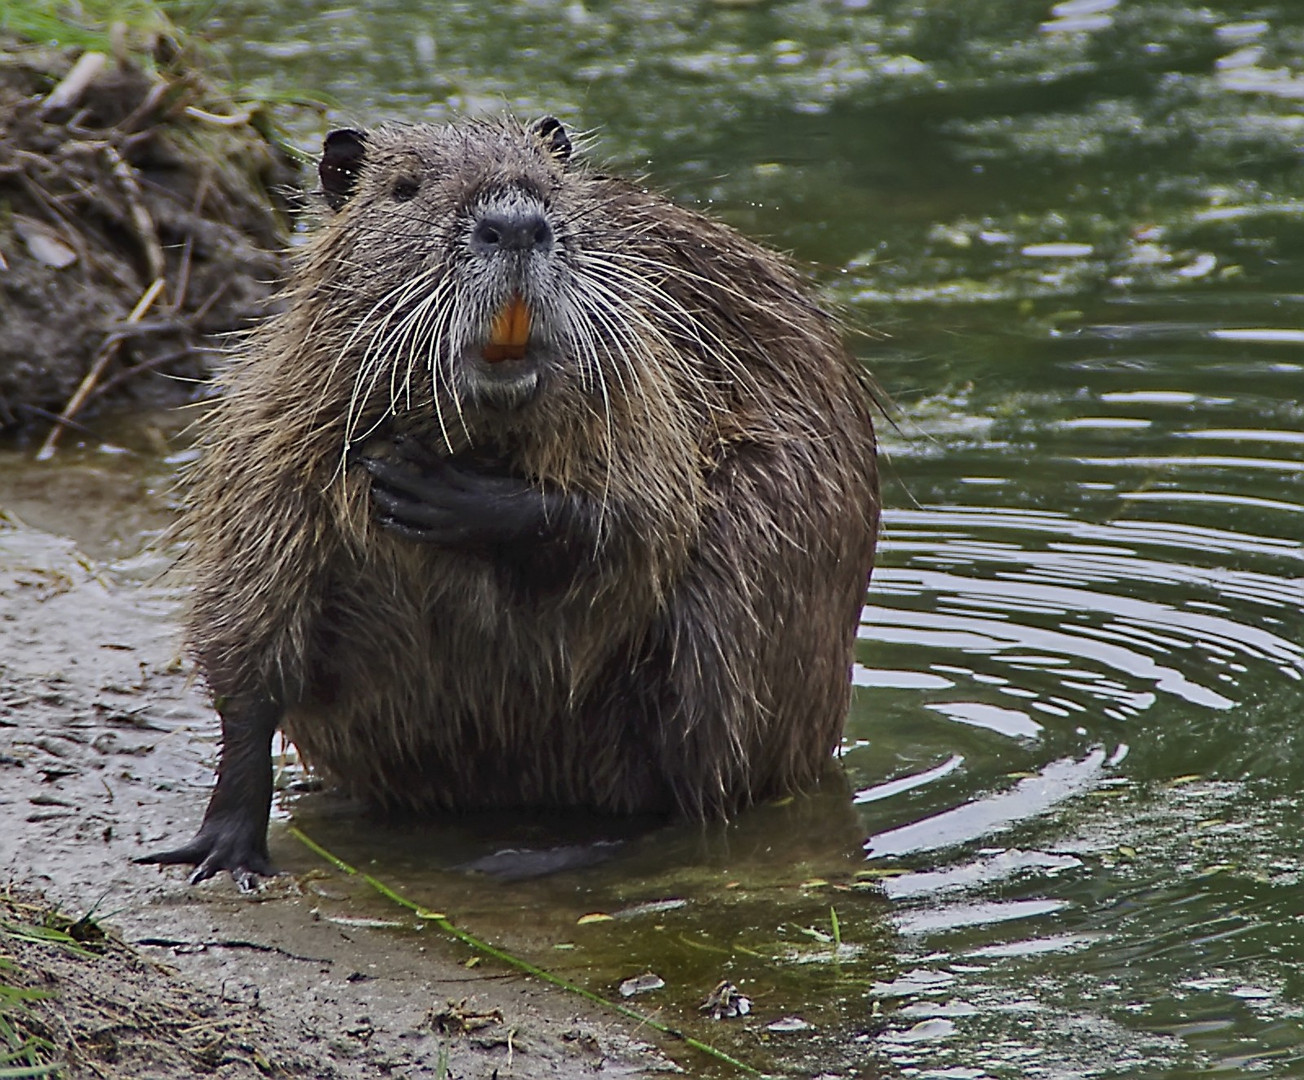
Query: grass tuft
point(24, 1049)
point(109, 26)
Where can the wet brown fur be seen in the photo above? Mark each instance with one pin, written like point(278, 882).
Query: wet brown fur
point(701, 665)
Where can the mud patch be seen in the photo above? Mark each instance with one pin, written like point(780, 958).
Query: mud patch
point(109, 185)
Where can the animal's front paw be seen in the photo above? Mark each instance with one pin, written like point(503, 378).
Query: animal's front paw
point(451, 503)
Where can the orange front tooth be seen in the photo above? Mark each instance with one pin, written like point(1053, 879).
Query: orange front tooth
point(520, 321)
point(510, 331)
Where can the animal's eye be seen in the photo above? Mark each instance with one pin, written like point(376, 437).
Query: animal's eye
point(405, 188)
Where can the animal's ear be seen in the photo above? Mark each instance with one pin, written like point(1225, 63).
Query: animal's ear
point(341, 160)
point(555, 139)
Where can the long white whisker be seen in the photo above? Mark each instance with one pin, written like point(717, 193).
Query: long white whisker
point(587, 340)
point(372, 358)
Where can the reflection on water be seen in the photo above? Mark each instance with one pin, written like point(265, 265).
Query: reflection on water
point(993, 814)
point(1070, 845)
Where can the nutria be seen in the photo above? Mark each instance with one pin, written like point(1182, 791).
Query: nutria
point(541, 491)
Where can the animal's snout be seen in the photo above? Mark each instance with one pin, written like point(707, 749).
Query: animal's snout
point(511, 229)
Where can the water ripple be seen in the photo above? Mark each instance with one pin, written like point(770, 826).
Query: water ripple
point(1106, 605)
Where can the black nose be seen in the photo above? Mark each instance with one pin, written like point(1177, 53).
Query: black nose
point(524, 231)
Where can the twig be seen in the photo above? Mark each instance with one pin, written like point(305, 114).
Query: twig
point(148, 104)
point(29, 409)
point(74, 124)
point(55, 214)
point(201, 190)
point(131, 193)
point(164, 324)
point(234, 120)
point(207, 306)
point(107, 353)
point(183, 275)
point(139, 215)
point(256, 946)
point(74, 84)
point(442, 921)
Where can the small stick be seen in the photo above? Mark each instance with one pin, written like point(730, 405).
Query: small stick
point(139, 215)
point(207, 306)
point(35, 410)
point(183, 276)
point(74, 84)
point(148, 104)
point(58, 217)
point(232, 120)
point(107, 353)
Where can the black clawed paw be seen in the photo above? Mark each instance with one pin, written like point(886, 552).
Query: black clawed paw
point(215, 849)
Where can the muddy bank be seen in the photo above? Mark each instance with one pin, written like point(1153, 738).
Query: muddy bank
point(106, 749)
point(100, 1007)
point(143, 217)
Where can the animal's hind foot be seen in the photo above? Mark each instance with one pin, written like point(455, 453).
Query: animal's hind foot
point(219, 846)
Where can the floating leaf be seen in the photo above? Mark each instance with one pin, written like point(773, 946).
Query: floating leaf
point(354, 921)
point(926, 1030)
point(652, 907)
point(642, 984)
point(789, 1024)
point(597, 916)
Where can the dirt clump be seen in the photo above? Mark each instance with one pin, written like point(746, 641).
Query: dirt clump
point(113, 179)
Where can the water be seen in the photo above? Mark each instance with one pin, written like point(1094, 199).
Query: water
point(1070, 842)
